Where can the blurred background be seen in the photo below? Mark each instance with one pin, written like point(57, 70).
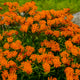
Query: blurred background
point(74, 5)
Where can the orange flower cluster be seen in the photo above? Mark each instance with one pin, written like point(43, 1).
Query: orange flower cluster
point(10, 39)
point(12, 6)
point(76, 38)
point(46, 67)
point(52, 78)
point(3, 61)
point(65, 57)
point(29, 51)
point(56, 21)
point(75, 65)
point(48, 32)
point(56, 61)
point(34, 28)
point(9, 76)
point(6, 19)
point(54, 33)
point(12, 63)
point(11, 18)
point(12, 76)
point(41, 50)
point(1, 37)
point(6, 46)
point(10, 54)
point(10, 33)
point(52, 44)
point(1, 8)
point(72, 48)
point(66, 33)
point(70, 74)
point(26, 67)
point(28, 7)
point(4, 74)
point(59, 13)
point(20, 57)
point(24, 27)
point(49, 58)
point(68, 44)
point(16, 45)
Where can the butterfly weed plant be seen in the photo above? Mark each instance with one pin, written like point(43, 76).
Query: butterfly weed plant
point(38, 45)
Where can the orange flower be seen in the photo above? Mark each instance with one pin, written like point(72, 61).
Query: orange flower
point(54, 45)
point(1, 8)
point(33, 57)
point(54, 79)
point(43, 27)
point(22, 48)
point(48, 15)
point(4, 33)
point(75, 77)
point(42, 22)
point(12, 63)
point(4, 74)
point(69, 17)
point(41, 50)
point(13, 53)
point(64, 54)
point(65, 61)
point(36, 17)
point(26, 67)
point(0, 67)
point(10, 39)
point(3, 61)
point(77, 65)
point(12, 70)
point(29, 51)
point(74, 51)
point(56, 33)
point(68, 44)
point(16, 45)
point(46, 67)
point(69, 73)
point(6, 46)
point(32, 12)
point(0, 50)
point(12, 76)
point(18, 41)
point(47, 32)
point(34, 28)
point(20, 57)
point(50, 78)
point(56, 61)
point(12, 32)
point(39, 58)
point(30, 20)
point(77, 71)
point(73, 65)
point(5, 3)
point(24, 28)
point(76, 38)
point(1, 37)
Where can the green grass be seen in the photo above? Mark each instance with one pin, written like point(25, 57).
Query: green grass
point(74, 5)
